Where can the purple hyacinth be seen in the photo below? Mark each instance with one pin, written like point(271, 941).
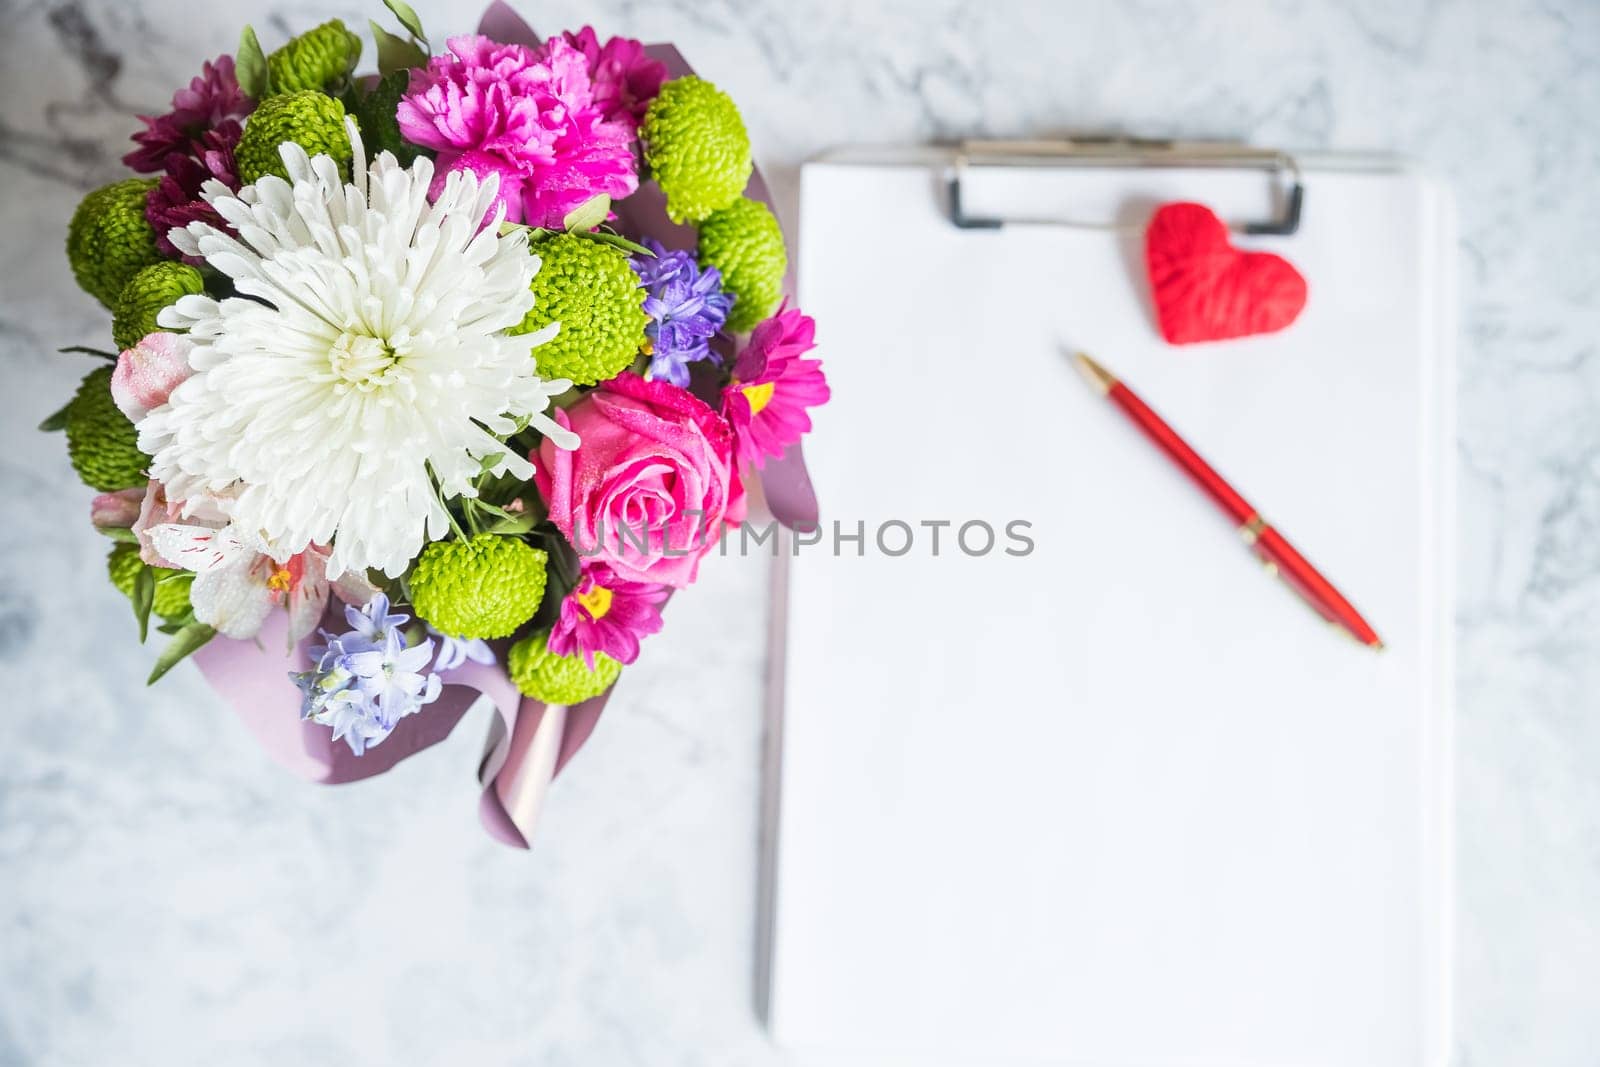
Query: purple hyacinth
point(454, 651)
point(686, 306)
point(364, 681)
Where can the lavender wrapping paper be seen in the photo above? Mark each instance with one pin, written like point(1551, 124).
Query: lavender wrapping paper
point(528, 742)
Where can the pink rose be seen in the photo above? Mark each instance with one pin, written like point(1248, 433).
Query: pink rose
point(651, 485)
point(148, 372)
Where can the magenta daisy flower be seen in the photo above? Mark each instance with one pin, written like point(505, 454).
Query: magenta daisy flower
point(605, 613)
point(211, 98)
point(528, 116)
point(772, 387)
point(624, 77)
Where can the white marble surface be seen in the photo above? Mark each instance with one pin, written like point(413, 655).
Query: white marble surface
point(165, 893)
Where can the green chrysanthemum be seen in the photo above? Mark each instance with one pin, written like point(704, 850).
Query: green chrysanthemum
point(594, 293)
point(171, 599)
point(172, 593)
point(317, 59)
point(485, 587)
point(697, 148)
point(312, 120)
point(101, 442)
point(108, 239)
point(744, 242)
point(153, 288)
point(124, 566)
point(541, 674)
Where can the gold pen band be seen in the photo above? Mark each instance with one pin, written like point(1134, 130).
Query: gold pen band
point(1252, 528)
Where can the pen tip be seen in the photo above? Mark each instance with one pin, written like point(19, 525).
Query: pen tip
point(1096, 375)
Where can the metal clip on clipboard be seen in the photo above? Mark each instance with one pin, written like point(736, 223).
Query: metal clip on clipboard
point(971, 156)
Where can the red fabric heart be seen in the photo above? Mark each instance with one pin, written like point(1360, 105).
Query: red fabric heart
point(1207, 290)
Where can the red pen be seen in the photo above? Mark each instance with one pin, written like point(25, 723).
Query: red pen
point(1276, 553)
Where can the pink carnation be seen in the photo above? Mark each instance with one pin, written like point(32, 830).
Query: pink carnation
point(773, 386)
point(625, 78)
point(529, 117)
point(607, 614)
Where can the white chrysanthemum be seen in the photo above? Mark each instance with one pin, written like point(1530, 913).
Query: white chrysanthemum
point(364, 369)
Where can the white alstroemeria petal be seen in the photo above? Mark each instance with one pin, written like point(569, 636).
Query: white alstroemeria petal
point(235, 601)
point(200, 548)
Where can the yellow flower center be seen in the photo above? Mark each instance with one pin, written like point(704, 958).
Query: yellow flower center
point(759, 396)
point(279, 581)
point(597, 602)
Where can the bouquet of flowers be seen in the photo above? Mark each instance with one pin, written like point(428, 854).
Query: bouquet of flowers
point(431, 384)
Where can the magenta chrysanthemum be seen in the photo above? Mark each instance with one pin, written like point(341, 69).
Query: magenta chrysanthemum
point(606, 614)
point(211, 98)
point(175, 201)
point(528, 116)
point(624, 78)
point(772, 387)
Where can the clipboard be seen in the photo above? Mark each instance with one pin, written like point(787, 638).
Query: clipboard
point(1120, 802)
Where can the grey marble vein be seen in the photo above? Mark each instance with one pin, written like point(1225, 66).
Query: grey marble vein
point(167, 896)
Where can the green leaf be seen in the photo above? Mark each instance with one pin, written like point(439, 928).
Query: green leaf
point(173, 624)
point(514, 524)
point(184, 642)
point(589, 214)
point(480, 505)
point(489, 462)
point(82, 351)
point(616, 240)
point(396, 53)
point(120, 534)
point(375, 108)
point(144, 595)
point(408, 18)
point(250, 66)
point(58, 421)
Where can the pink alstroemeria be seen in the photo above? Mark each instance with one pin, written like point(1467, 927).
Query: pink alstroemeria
point(148, 372)
point(236, 586)
point(156, 510)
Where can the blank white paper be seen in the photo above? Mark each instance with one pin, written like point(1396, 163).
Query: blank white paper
point(1123, 801)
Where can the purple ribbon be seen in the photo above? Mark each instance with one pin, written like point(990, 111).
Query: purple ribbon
point(529, 742)
point(253, 676)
